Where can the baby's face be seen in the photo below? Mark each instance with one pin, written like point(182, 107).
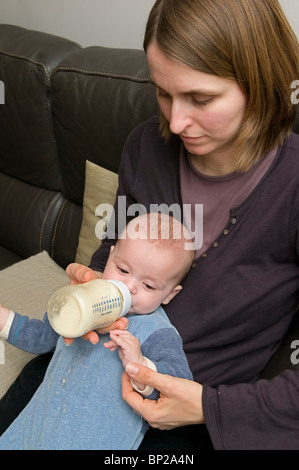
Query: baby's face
point(149, 272)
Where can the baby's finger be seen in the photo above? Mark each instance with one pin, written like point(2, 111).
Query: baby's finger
point(120, 339)
point(116, 333)
point(111, 345)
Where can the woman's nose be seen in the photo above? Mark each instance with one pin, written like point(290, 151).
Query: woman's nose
point(180, 118)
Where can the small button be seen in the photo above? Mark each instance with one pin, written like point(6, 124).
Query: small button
point(193, 265)
point(233, 221)
point(205, 255)
point(226, 232)
point(215, 244)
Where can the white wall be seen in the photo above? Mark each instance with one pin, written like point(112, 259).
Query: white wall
point(291, 9)
point(111, 23)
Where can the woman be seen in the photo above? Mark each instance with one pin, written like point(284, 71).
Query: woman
point(223, 72)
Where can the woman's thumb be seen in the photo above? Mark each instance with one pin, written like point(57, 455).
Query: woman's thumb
point(143, 374)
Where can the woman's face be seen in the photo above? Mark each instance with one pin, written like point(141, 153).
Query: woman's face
point(205, 110)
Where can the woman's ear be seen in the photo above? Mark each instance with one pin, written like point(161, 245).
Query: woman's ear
point(172, 294)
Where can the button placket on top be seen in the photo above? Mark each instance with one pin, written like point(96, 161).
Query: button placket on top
point(226, 232)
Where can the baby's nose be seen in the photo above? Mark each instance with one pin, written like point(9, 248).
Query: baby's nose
point(132, 286)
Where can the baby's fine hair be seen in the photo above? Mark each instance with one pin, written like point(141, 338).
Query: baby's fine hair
point(166, 232)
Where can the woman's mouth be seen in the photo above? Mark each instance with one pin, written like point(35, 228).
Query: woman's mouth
point(191, 140)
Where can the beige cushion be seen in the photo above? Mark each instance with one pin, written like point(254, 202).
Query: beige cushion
point(25, 287)
point(100, 188)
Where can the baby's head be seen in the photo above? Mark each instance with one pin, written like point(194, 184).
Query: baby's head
point(152, 256)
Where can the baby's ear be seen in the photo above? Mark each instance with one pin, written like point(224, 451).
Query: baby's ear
point(172, 294)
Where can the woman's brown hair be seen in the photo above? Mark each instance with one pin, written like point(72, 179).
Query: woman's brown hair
point(249, 41)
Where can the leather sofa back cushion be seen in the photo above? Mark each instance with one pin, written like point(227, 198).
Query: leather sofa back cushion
point(98, 96)
point(28, 150)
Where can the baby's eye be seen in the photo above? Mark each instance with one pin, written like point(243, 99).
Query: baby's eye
point(149, 287)
point(122, 270)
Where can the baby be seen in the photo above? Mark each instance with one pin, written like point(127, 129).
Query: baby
point(79, 405)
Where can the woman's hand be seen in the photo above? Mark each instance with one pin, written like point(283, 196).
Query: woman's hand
point(78, 274)
point(180, 401)
point(92, 336)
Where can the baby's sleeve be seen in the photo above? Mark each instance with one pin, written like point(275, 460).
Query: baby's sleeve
point(32, 335)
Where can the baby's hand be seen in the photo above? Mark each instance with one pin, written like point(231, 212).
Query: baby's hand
point(4, 314)
point(129, 349)
point(129, 346)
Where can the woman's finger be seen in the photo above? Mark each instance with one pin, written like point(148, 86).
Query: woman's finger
point(120, 324)
point(179, 404)
point(78, 273)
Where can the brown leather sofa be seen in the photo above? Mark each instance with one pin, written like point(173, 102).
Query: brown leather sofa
point(65, 104)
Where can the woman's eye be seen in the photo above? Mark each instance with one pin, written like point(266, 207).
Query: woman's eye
point(202, 102)
point(162, 94)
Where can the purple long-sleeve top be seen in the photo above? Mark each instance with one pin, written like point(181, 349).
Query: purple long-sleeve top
point(239, 298)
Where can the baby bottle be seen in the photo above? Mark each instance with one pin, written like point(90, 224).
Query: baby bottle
point(75, 309)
